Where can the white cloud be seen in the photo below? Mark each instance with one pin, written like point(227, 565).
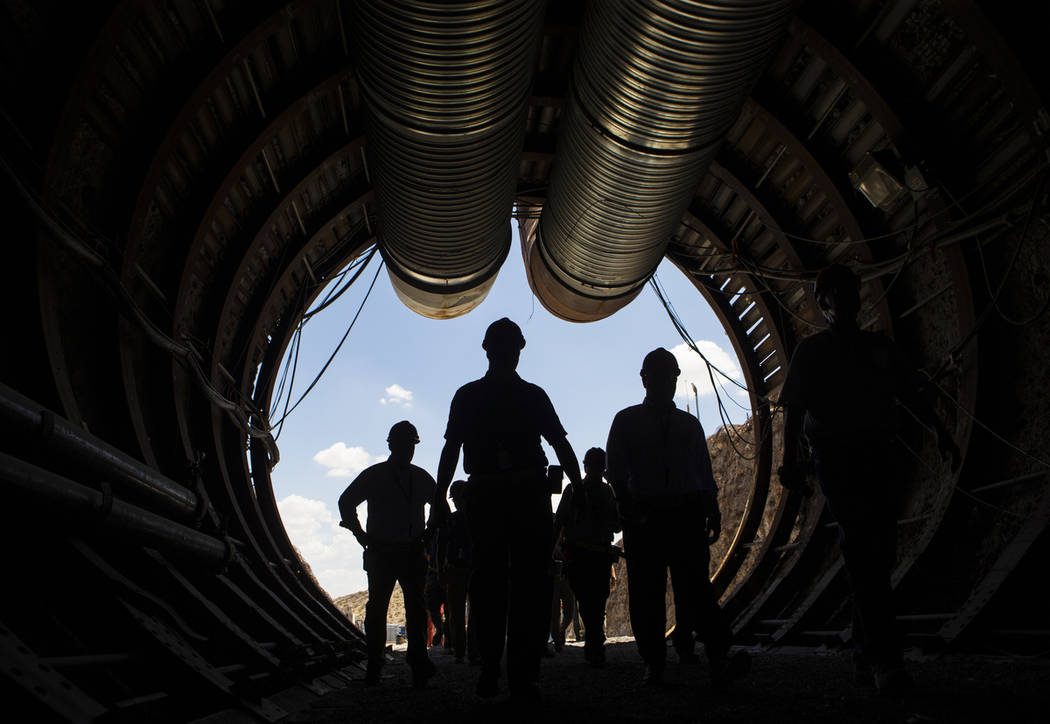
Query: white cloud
point(331, 551)
point(397, 395)
point(345, 462)
point(694, 369)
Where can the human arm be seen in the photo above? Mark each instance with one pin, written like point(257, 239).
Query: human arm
point(910, 392)
point(352, 497)
point(566, 458)
point(616, 469)
point(792, 472)
point(709, 489)
point(447, 463)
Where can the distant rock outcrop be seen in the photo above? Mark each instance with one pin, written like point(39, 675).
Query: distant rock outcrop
point(354, 607)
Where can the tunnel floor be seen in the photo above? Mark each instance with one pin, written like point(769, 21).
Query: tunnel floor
point(785, 685)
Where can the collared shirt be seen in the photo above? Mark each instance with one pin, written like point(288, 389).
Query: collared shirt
point(660, 451)
point(499, 420)
point(395, 500)
point(847, 383)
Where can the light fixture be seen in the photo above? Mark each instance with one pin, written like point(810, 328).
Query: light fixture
point(873, 178)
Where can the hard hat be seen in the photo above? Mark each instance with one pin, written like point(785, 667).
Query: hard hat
point(660, 361)
point(594, 456)
point(836, 277)
point(403, 430)
point(503, 334)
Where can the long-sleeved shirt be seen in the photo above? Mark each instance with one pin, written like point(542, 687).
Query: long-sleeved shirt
point(659, 451)
point(848, 385)
point(395, 500)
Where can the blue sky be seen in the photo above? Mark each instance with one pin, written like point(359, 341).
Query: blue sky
point(398, 365)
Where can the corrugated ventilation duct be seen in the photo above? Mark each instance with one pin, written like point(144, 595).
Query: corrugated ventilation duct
point(446, 86)
point(656, 85)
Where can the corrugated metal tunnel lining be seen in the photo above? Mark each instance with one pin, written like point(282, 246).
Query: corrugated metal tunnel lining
point(655, 87)
point(446, 88)
point(213, 160)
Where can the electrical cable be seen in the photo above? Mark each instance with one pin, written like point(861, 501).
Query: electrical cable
point(331, 357)
point(184, 353)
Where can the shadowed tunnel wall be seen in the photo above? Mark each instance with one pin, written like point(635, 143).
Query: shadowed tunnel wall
point(186, 177)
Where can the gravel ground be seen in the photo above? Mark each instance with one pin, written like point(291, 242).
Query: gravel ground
point(783, 686)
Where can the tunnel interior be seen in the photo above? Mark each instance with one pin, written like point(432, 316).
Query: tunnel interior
point(186, 178)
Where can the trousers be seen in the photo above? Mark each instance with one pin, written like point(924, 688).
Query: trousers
point(385, 566)
point(857, 486)
point(589, 573)
point(462, 630)
point(511, 524)
point(657, 540)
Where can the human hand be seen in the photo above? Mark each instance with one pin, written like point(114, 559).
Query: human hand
point(949, 450)
point(792, 476)
point(713, 525)
point(439, 515)
point(362, 538)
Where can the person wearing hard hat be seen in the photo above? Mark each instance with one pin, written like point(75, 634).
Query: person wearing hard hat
point(396, 491)
point(660, 469)
point(497, 422)
point(587, 520)
point(840, 396)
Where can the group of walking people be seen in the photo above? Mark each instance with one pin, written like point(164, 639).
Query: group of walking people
point(496, 548)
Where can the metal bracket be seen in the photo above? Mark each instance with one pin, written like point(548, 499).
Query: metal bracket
point(28, 671)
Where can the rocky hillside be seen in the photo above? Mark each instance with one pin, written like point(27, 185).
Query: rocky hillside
point(354, 606)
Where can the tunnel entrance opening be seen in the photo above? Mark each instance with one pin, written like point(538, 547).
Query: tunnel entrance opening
point(397, 365)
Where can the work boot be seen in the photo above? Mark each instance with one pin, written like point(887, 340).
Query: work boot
point(654, 674)
point(488, 685)
point(595, 658)
point(724, 670)
point(373, 674)
point(422, 673)
point(893, 680)
point(688, 657)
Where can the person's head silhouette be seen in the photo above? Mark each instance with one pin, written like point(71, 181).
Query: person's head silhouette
point(402, 441)
point(503, 344)
point(458, 492)
point(660, 375)
point(594, 462)
point(837, 290)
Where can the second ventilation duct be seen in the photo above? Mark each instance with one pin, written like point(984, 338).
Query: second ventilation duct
point(656, 86)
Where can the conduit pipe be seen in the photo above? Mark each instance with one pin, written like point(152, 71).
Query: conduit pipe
point(58, 439)
point(656, 85)
point(89, 507)
point(446, 87)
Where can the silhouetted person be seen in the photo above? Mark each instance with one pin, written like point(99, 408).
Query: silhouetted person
point(840, 393)
point(660, 468)
point(563, 600)
point(588, 520)
point(457, 559)
point(396, 492)
point(498, 421)
point(434, 596)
